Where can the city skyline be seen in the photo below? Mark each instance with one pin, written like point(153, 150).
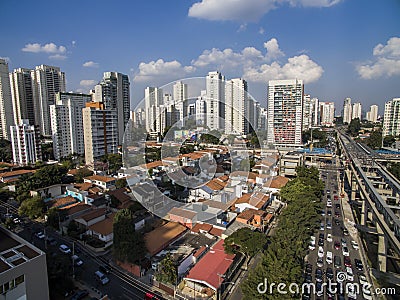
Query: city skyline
point(334, 58)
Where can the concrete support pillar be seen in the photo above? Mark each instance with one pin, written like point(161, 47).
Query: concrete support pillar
point(353, 187)
point(364, 214)
point(382, 249)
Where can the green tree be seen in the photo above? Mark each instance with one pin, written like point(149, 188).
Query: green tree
point(82, 173)
point(129, 245)
point(114, 161)
point(375, 140)
point(54, 215)
point(394, 168)
point(389, 140)
point(5, 151)
point(246, 241)
point(120, 183)
point(167, 271)
point(354, 127)
point(32, 207)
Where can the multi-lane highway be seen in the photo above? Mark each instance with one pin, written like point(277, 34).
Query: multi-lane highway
point(336, 256)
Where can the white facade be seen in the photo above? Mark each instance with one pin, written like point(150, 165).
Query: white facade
point(6, 107)
point(67, 124)
point(22, 95)
point(327, 113)
point(236, 107)
point(356, 111)
point(201, 108)
point(47, 82)
point(25, 143)
point(180, 97)
point(315, 113)
point(285, 111)
point(100, 127)
point(347, 111)
point(372, 115)
point(307, 112)
point(215, 87)
point(153, 98)
point(391, 117)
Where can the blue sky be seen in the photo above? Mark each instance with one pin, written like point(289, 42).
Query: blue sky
point(340, 48)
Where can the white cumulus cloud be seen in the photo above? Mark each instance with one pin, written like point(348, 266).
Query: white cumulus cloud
point(58, 57)
point(161, 69)
point(237, 10)
point(88, 82)
point(386, 62)
point(301, 67)
point(47, 48)
point(91, 64)
point(273, 50)
point(247, 10)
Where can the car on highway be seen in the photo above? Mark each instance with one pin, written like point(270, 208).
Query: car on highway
point(329, 204)
point(318, 275)
point(329, 257)
point(337, 262)
point(362, 279)
point(354, 244)
point(321, 242)
point(329, 213)
point(359, 265)
point(345, 251)
point(320, 262)
point(347, 261)
point(322, 213)
point(40, 235)
point(329, 238)
point(349, 274)
point(77, 261)
point(345, 231)
point(328, 224)
point(80, 294)
point(322, 227)
point(337, 205)
point(343, 241)
point(64, 249)
point(337, 245)
point(320, 252)
point(311, 246)
point(103, 279)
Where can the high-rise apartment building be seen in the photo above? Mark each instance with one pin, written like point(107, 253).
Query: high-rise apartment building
point(25, 142)
point(356, 113)
point(327, 112)
point(307, 112)
point(47, 82)
point(215, 87)
point(113, 91)
point(180, 97)
point(372, 114)
point(22, 95)
point(153, 99)
point(100, 128)
point(347, 111)
point(201, 108)
point(23, 269)
point(6, 107)
point(391, 117)
point(315, 113)
point(67, 124)
point(285, 112)
point(236, 107)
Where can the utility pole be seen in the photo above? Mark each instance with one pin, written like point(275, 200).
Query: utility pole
point(73, 260)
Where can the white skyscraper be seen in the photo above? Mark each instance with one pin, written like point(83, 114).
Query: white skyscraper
point(100, 128)
point(372, 114)
point(285, 112)
point(67, 124)
point(180, 97)
point(315, 113)
point(215, 87)
point(347, 111)
point(47, 82)
point(25, 141)
point(307, 112)
point(391, 117)
point(327, 111)
point(356, 113)
point(236, 107)
point(22, 95)
point(153, 98)
point(201, 108)
point(6, 107)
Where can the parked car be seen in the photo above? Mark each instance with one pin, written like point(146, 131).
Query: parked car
point(40, 235)
point(359, 265)
point(77, 261)
point(337, 245)
point(103, 279)
point(349, 273)
point(345, 251)
point(337, 262)
point(329, 257)
point(354, 244)
point(329, 273)
point(320, 262)
point(318, 275)
point(320, 252)
point(329, 238)
point(347, 261)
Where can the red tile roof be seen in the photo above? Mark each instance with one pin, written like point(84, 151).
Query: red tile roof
point(184, 213)
point(104, 227)
point(95, 213)
point(201, 227)
point(216, 185)
point(276, 182)
point(62, 202)
point(15, 173)
point(162, 236)
point(101, 178)
point(215, 262)
point(200, 251)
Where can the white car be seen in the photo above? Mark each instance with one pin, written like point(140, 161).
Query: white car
point(312, 245)
point(320, 252)
point(329, 257)
point(64, 249)
point(351, 291)
point(329, 238)
point(329, 204)
point(77, 261)
point(345, 251)
point(313, 238)
point(363, 279)
point(354, 245)
point(40, 235)
point(349, 273)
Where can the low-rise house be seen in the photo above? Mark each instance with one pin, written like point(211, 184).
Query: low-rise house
point(8, 177)
point(274, 184)
point(103, 230)
point(183, 216)
point(104, 182)
point(256, 200)
point(61, 202)
point(51, 191)
point(255, 218)
point(91, 217)
point(161, 237)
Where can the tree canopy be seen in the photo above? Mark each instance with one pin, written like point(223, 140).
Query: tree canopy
point(354, 127)
point(167, 271)
point(32, 207)
point(129, 245)
point(246, 241)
